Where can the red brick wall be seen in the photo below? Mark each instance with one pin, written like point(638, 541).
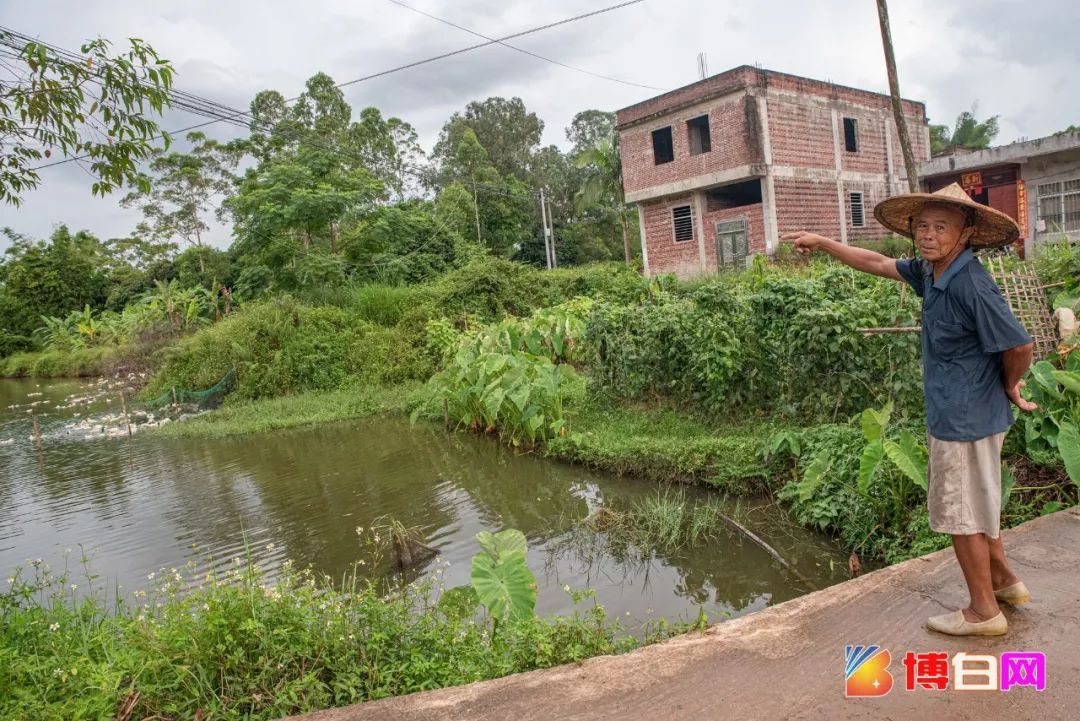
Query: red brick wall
point(807, 205)
point(1003, 198)
point(683, 258)
point(666, 255)
point(801, 134)
point(755, 229)
point(873, 193)
point(735, 140)
point(871, 157)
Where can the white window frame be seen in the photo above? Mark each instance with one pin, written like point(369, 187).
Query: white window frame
point(1058, 190)
point(674, 231)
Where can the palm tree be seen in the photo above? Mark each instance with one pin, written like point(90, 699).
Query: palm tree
point(967, 133)
point(603, 185)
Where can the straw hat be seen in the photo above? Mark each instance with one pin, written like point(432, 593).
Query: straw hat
point(992, 227)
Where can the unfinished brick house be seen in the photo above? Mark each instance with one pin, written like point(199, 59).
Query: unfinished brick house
point(720, 168)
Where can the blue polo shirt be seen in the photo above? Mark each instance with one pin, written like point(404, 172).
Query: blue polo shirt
point(966, 324)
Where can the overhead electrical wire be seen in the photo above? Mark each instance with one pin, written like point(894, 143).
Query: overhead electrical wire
point(191, 99)
point(523, 50)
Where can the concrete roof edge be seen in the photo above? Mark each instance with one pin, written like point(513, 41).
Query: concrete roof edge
point(738, 84)
point(1015, 152)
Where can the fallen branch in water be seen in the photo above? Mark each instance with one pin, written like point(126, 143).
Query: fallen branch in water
point(732, 523)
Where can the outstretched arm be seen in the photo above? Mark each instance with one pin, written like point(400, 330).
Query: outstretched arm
point(858, 258)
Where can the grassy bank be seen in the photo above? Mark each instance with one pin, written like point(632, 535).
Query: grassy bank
point(305, 409)
point(235, 645)
point(661, 443)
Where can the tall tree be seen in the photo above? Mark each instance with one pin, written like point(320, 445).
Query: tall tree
point(967, 133)
point(894, 92)
point(587, 127)
point(185, 188)
point(51, 277)
point(603, 186)
point(506, 129)
point(97, 107)
point(388, 148)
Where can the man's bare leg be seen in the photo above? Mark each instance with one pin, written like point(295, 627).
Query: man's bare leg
point(1000, 573)
point(973, 553)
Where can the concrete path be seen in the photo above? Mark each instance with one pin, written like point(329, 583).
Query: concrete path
point(787, 661)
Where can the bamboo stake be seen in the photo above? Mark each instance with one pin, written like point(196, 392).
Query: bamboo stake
point(899, 329)
point(123, 407)
point(37, 433)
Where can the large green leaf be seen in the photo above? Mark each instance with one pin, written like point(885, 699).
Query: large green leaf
point(874, 422)
point(506, 587)
point(871, 457)
point(814, 476)
point(909, 456)
point(1043, 373)
point(1068, 444)
point(503, 544)
point(1008, 480)
point(1069, 379)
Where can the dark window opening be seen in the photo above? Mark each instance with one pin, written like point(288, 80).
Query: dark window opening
point(735, 195)
point(684, 222)
point(698, 128)
point(662, 147)
point(851, 141)
point(857, 215)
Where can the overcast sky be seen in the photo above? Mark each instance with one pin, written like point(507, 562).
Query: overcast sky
point(1016, 62)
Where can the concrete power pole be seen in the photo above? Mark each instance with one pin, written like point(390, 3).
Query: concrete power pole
point(547, 239)
point(551, 234)
point(894, 90)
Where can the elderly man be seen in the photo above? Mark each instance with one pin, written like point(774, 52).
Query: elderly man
point(974, 355)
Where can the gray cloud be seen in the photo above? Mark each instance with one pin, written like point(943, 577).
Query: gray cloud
point(1016, 62)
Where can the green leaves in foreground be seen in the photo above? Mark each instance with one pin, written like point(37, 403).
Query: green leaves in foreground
point(501, 577)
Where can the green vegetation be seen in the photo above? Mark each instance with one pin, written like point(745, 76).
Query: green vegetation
point(305, 409)
point(235, 644)
point(665, 520)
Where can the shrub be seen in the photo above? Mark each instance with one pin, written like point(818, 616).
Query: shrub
point(384, 305)
point(281, 346)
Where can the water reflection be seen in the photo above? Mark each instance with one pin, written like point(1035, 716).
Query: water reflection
point(145, 503)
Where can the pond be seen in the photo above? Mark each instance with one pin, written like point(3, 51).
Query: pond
point(137, 505)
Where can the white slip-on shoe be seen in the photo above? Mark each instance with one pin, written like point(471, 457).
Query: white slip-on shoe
point(955, 624)
point(1015, 594)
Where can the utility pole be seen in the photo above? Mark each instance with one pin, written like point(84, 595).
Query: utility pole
point(547, 240)
point(894, 91)
point(551, 234)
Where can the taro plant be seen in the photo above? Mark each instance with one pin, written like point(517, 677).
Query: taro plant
point(501, 577)
point(517, 395)
point(554, 333)
point(1050, 431)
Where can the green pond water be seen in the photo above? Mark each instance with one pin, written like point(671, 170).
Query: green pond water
point(137, 505)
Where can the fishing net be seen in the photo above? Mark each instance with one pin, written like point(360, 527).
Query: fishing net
point(208, 398)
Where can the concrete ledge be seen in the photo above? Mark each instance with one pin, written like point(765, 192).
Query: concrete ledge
point(786, 662)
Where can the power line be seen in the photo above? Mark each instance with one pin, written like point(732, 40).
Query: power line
point(494, 41)
point(523, 50)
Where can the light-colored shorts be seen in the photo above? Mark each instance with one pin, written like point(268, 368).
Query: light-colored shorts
point(964, 485)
